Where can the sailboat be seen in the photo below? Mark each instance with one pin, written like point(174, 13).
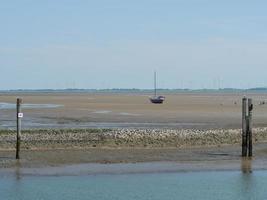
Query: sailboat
point(156, 99)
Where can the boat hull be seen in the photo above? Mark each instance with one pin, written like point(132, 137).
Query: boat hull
point(157, 100)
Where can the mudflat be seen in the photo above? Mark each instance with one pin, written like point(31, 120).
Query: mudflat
point(210, 113)
point(91, 160)
point(190, 110)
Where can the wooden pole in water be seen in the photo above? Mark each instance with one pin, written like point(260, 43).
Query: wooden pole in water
point(244, 127)
point(249, 131)
point(19, 116)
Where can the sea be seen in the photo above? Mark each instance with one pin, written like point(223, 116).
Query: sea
point(206, 185)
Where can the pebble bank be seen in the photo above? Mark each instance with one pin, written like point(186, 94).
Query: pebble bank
point(117, 138)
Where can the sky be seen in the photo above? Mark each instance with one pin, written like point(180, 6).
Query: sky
point(119, 43)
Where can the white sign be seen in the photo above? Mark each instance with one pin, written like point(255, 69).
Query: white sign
point(20, 115)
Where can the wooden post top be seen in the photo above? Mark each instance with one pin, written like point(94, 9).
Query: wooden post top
point(19, 100)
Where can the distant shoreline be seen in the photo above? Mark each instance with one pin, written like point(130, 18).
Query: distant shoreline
point(135, 90)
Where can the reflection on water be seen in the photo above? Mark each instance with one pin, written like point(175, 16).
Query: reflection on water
point(102, 112)
point(248, 185)
point(46, 123)
point(246, 164)
point(251, 182)
point(131, 186)
point(129, 114)
point(120, 113)
point(18, 174)
point(4, 105)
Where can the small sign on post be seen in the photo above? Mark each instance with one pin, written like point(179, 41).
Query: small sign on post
point(20, 115)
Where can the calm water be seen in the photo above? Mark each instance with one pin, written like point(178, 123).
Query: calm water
point(189, 185)
point(8, 106)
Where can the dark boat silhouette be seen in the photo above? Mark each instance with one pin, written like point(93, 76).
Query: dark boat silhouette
point(156, 99)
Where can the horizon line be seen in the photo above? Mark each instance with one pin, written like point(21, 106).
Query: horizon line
point(139, 89)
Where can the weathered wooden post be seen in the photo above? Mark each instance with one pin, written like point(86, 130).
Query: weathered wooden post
point(247, 107)
point(249, 131)
point(244, 127)
point(19, 116)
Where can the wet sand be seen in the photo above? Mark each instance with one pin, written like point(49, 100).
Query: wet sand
point(187, 149)
point(135, 160)
point(199, 110)
point(190, 111)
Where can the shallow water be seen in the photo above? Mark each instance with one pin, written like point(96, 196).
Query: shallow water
point(139, 125)
point(35, 123)
point(4, 105)
point(189, 185)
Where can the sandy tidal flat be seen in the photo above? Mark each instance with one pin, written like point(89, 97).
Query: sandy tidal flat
point(200, 111)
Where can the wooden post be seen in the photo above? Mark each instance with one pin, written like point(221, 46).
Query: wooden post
point(19, 101)
point(244, 127)
point(249, 131)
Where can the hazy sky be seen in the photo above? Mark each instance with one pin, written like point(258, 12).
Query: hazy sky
point(119, 43)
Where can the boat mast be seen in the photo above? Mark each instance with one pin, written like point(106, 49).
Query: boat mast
point(155, 83)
